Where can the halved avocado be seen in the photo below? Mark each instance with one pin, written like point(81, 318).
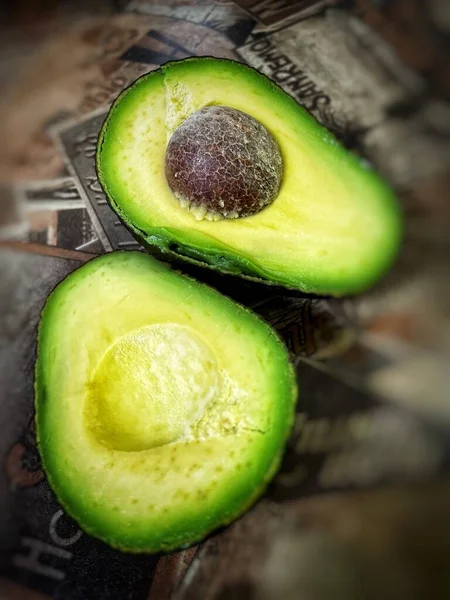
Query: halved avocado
point(162, 407)
point(328, 224)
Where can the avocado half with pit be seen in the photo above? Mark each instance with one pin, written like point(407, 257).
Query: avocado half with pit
point(162, 407)
point(210, 160)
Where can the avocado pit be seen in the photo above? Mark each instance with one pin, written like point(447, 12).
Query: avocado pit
point(222, 164)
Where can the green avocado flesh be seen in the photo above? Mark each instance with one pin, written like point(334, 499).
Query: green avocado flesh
point(162, 407)
point(334, 227)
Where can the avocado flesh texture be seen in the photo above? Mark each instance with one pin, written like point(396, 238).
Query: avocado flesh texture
point(335, 226)
point(162, 407)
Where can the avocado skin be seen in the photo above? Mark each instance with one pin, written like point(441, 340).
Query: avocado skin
point(218, 256)
point(55, 473)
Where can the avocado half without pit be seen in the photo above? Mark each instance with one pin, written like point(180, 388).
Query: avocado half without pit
point(209, 160)
point(162, 407)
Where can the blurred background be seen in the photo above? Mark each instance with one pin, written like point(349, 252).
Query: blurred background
point(360, 508)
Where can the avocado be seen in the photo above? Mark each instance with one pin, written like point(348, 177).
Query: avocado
point(209, 160)
point(162, 407)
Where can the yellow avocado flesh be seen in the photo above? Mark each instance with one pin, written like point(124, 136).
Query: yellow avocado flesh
point(334, 226)
point(162, 407)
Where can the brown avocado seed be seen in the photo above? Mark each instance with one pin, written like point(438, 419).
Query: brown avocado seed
point(223, 164)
